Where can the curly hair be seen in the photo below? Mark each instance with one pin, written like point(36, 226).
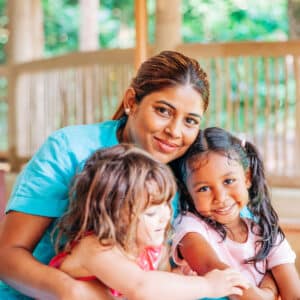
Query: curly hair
point(107, 196)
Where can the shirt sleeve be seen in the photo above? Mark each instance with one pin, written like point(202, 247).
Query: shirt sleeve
point(42, 187)
point(184, 225)
point(281, 253)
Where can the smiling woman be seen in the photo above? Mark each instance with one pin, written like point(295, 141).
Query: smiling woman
point(160, 113)
point(166, 122)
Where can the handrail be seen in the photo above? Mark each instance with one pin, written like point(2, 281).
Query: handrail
point(233, 49)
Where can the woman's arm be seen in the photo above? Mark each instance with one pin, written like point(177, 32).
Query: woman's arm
point(19, 234)
point(287, 279)
point(202, 258)
point(116, 270)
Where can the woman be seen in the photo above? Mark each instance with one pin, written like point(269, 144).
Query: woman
point(161, 113)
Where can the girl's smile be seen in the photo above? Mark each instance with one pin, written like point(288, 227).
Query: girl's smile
point(219, 187)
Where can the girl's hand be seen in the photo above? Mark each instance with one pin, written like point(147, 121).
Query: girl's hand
point(226, 282)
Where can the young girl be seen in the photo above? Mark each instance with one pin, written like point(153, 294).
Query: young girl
point(222, 174)
point(115, 230)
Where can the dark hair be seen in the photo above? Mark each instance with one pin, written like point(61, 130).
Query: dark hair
point(218, 140)
point(168, 69)
point(108, 195)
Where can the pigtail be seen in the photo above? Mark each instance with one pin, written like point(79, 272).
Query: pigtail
point(260, 206)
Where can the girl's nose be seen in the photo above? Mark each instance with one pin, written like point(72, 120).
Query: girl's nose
point(220, 196)
point(166, 215)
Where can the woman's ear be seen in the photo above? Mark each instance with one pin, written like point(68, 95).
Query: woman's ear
point(129, 101)
point(248, 178)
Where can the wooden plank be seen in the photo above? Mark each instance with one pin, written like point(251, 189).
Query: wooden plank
point(77, 59)
point(297, 110)
point(2, 193)
point(235, 49)
point(141, 32)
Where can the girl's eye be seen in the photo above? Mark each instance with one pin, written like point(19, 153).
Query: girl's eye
point(150, 214)
point(203, 189)
point(163, 111)
point(229, 181)
point(192, 121)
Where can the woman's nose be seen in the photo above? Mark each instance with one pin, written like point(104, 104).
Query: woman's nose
point(174, 128)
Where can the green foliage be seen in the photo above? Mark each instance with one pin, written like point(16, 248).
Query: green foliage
point(234, 20)
point(61, 26)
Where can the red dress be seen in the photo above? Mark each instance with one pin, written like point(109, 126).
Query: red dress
point(148, 260)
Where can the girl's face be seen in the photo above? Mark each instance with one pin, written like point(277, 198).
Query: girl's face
point(165, 123)
point(152, 224)
point(219, 187)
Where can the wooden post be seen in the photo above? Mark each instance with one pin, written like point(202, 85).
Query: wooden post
point(168, 25)
point(297, 120)
point(2, 193)
point(294, 18)
point(141, 32)
point(89, 31)
point(26, 43)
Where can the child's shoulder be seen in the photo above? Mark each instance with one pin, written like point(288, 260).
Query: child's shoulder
point(190, 221)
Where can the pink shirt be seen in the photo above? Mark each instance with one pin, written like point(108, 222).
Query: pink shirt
point(230, 252)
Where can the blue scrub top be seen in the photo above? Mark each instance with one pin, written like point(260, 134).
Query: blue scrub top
point(42, 187)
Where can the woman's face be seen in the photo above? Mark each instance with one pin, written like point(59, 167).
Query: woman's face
point(165, 123)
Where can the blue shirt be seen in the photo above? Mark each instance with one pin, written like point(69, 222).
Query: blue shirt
point(42, 187)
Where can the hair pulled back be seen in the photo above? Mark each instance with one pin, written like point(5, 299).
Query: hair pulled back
point(168, 69)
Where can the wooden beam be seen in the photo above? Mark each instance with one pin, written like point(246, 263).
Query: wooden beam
point(2, 194)
point(141, 32)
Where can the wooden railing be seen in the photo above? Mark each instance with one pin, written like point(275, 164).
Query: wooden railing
point(255, 92)
point(73, 89)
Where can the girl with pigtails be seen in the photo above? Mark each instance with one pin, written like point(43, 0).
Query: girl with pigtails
point(220, 175)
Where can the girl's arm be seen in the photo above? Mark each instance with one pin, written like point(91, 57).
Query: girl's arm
point(116, 270)
point(202, 258)
point(19, 233)
point(287, 279)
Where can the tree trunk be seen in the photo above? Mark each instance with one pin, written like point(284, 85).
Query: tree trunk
point(294, 18)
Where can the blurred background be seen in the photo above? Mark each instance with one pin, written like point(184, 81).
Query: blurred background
point(67, 62)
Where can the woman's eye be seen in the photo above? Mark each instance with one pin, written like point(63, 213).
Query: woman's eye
point(163, 111)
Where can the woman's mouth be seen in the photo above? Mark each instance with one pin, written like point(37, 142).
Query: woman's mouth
point(166, 146)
